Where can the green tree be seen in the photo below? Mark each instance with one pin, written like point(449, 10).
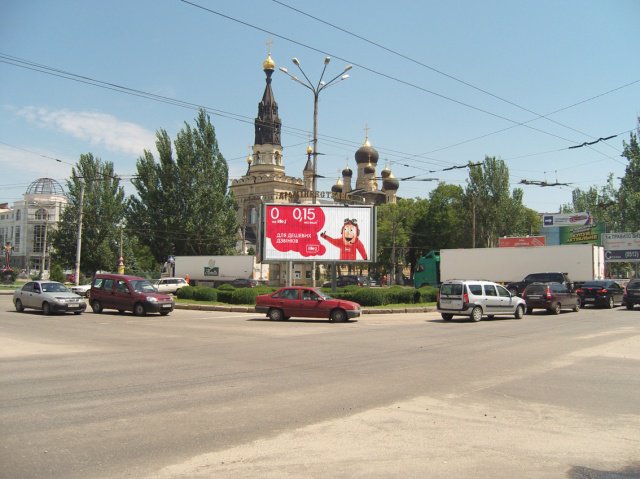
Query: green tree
point(601, 203)
point(629, 193)
point(183, 205)
point(103, 208)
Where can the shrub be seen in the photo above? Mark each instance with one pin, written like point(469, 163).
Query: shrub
point(225, 294)
point(368, 297)
point(244, 296)
point(428, 294)
point(226, 287)
point(186, 292)
point(57, 273)
point(204, 293)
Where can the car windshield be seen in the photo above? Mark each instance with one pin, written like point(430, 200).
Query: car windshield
point(594, 284)
point(143, 286)
point(54, 288)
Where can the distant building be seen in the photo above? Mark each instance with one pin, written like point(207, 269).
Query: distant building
point(26, 225)
point(267, 182)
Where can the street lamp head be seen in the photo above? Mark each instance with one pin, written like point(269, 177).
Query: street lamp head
point(284, 70)
point(295, 61)
point(327, 60)
point(349, 67)
point(344, 77)
point(322, 84)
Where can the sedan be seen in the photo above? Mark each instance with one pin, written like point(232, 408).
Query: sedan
point(300, 301)
point(244, 283)
point(601, 293)
point(81, 289)
point(49, 296)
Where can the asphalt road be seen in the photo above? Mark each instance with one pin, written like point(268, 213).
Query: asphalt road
point(221, 395)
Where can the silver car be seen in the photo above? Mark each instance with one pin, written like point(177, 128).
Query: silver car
point(476, 298)
point(49, 296)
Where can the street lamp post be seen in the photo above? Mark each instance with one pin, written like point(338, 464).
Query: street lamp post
point(316, 89)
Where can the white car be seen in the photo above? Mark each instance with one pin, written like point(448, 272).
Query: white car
point(81, 289)
point(49, 296)
point(170, 285)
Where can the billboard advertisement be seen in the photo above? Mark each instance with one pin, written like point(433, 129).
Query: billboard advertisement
point(621, 247)
point(311, 232)
point(570, 219)
point(519, 241)
point(589, 234)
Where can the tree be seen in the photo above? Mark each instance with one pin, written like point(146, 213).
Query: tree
point(601, 203)
point(183, 205)
point(103, 208)
point(629, 192)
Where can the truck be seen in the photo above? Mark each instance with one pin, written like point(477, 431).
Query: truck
point(215, 270)
point(582, 262)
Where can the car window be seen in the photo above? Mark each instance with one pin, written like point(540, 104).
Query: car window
point(309, 295)
point(121, 287)
point(475, 289)
point(633, 285)
point(36, 288)
point(535, 289)
point(559, 288)
point(489, 290)
point(502, 291)
point(451, 289)
point(54, 288)
point(290, 294)
point(28, 287)
point(142, 286)
point(108, 284)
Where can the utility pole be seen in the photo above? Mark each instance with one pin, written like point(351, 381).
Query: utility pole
point(79, 244)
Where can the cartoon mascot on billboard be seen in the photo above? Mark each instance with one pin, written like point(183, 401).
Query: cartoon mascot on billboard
point(349, 243)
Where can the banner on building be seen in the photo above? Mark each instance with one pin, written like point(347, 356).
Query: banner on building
point(521, 241)
point(310, 232)
point(621, 247)
point(571, 219)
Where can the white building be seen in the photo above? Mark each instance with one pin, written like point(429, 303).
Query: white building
point(25, 226)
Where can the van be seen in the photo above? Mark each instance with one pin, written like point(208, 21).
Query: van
point(477, 298)
point(128, 293)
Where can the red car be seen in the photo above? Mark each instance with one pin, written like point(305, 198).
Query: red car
point(301, 301)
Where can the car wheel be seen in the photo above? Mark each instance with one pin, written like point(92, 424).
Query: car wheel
point(46, 308)
point(96, 306)
point(529, 310)
point(276, 314)
point(20, 307)
point(447, 316)
point(77, 312)
point(629, 306)
point(555, 309)
point(139, 310)
point(121, 311)
point(576, 308)
point(519, 312)
point(164, 313)
point(610, 302)
point(476, 314)
point(338, 316)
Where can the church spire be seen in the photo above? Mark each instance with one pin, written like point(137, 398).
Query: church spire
point(268, 123)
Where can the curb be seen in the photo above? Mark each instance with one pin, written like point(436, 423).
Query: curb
point(251, 309)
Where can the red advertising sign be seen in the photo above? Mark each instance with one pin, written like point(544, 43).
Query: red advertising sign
point(318, 233)
point(516, 241)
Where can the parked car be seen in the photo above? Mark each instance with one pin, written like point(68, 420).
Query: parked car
point(601, 293)
point(553, 297)
point(49, 296)
point(519, 286)
point(170, 285)
point(81, 289)
point(476, 298)
point(244, 283)
point(128, 293)
point(349, 280)
point(632, 293)
point(300, 301)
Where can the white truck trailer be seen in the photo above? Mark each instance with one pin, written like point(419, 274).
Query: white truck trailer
point(215, 270)
point(582, 262)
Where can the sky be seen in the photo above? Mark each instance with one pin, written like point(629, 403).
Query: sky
point(434, 85)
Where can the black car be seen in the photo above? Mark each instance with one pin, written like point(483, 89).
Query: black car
point(518, 287)
point(553, 297)
point(632, 293)
point(601, 293)
point(244, 283)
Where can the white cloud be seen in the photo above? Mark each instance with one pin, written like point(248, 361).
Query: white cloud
point(97, 128)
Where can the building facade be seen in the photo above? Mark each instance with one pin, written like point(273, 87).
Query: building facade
point(26, 225)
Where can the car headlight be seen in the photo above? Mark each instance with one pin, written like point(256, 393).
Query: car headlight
point(152, 299)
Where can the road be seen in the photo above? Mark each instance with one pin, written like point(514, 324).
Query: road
point(212, 394)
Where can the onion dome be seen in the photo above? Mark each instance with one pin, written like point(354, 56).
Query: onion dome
point(386, 173)
point(389, 182)
point(45, 186)
point(369, 169)
point(366, 153)
point(337, 188)
point(269, 64)
point(347, 172)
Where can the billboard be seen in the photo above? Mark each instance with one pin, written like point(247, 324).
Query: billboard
point(311, 232)
point(588, 234)
point(571, 219)
point(621, 247)
point(518, 241)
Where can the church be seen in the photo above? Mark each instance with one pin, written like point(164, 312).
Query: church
point(266, 181)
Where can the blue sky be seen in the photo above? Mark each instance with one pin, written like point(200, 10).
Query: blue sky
point(438, 84)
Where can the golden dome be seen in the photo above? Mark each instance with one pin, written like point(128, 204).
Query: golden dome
point(269, 64)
